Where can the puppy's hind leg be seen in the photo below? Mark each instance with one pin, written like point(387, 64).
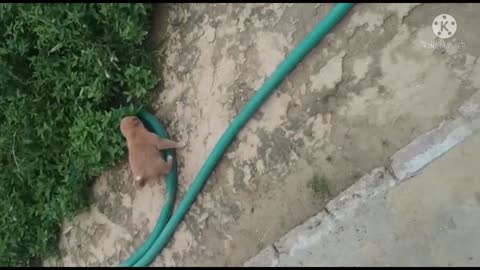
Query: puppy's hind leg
point(161, 167)
point(167, 166)
point(140, 181)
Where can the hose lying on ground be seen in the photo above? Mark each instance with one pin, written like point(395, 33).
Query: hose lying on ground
point(166, 227)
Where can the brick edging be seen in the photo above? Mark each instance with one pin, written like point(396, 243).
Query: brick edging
point(404, 164)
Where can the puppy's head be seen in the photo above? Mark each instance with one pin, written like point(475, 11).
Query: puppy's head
point(129, 124)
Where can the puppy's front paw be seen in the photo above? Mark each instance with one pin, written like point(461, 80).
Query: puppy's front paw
point(182, 144)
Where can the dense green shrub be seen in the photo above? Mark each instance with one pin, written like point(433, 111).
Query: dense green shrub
point(68, 73)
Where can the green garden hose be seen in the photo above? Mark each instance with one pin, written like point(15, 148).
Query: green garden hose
point(153, 125)
point(162, 233)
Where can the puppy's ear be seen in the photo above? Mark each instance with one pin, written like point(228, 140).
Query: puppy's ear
point(136, 121)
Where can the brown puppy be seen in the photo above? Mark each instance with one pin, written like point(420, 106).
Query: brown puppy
point(144, 154)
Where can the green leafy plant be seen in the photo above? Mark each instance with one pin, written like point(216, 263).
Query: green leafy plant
point(68, 74)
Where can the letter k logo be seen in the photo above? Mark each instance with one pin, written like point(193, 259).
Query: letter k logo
point(444, 26)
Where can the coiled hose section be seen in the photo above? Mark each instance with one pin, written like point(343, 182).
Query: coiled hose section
point(167, 223)
point(152, 124)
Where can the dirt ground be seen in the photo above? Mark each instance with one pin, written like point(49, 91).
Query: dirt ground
point(371, 87)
